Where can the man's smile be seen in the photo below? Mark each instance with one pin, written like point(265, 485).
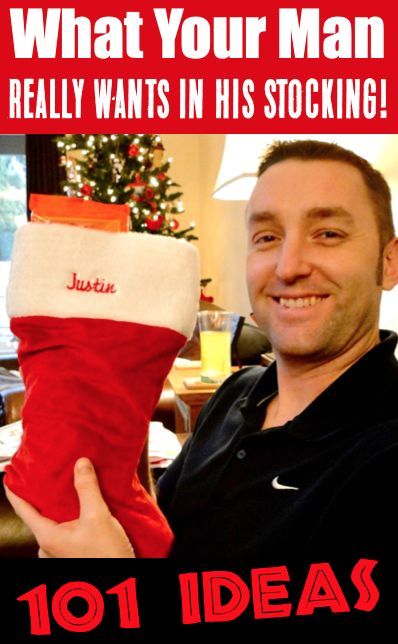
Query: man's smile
point(299, 302)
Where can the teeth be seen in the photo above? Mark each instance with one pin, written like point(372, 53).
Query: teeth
point(299, 302)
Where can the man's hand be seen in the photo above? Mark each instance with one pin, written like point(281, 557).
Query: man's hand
point(96, 533)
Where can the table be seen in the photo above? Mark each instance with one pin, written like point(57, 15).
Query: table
point(188, 402)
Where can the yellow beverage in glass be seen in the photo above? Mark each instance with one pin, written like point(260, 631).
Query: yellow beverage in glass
point(215, 352)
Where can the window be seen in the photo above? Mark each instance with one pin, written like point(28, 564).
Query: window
point(12, 215)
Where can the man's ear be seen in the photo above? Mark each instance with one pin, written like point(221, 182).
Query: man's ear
point(390, 264)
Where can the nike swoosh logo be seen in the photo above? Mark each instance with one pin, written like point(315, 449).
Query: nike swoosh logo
point(279, 486)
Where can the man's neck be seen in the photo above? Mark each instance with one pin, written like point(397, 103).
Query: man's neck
point(300, 383)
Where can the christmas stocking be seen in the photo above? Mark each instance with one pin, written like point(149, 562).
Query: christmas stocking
point(100, 317)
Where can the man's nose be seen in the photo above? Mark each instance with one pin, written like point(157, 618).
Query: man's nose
point(293, 261)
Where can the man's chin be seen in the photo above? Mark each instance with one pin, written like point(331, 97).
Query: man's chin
point(300, 349)
point(303, 355)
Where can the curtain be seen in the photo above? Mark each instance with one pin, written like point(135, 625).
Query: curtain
point(43, 172)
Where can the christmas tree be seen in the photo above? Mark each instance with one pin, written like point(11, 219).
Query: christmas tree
point(125, 168)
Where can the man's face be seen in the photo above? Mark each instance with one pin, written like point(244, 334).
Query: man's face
point(313, 258)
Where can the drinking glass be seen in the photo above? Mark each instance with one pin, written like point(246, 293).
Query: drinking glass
point(215, 328)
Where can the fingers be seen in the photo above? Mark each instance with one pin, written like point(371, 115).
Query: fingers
point(38, 524)
point(91, 501)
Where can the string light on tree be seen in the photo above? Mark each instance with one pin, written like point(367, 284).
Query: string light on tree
point(125, 168)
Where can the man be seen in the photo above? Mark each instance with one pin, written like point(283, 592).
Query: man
point(301, 457)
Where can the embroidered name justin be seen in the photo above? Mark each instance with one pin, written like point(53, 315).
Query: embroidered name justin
point(98, 285)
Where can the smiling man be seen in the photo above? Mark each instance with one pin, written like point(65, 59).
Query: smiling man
point(299, 458)
point(321, 249)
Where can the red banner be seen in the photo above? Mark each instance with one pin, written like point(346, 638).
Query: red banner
point(198, 66)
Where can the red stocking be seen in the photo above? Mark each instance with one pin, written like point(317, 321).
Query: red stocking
point(100, 317)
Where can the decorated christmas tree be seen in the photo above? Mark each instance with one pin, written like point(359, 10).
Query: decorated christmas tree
point(125, 168)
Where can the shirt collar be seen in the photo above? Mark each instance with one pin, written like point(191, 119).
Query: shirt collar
point(360, 395)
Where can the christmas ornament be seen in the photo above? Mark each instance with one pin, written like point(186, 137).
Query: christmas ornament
point(86, 190)
point(117, 167)
point(138, 184)
point(133, 150)
point(205, 298)
point(149, 194)
point(157, 154)
point(154, 223)
point(173, 224)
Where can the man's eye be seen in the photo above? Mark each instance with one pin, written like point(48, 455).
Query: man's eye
point(264, 239)
point(330, 234)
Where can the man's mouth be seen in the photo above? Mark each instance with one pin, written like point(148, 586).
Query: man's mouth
point(299, 302)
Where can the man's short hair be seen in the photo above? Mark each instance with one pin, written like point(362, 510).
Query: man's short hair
point(312, 150)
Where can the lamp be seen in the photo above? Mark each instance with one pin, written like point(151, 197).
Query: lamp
point(242, 154)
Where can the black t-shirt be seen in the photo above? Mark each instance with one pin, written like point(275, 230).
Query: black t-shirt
point(323, 484)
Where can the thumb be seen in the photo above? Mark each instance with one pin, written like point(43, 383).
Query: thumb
point(92, 504)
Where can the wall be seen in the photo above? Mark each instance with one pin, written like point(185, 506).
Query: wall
point(220, 224)
point(184, 149)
